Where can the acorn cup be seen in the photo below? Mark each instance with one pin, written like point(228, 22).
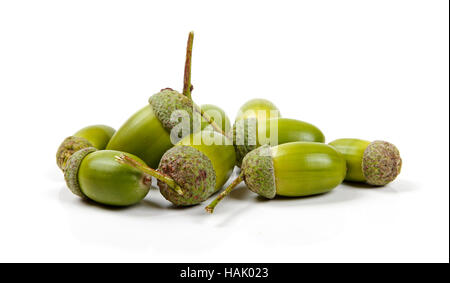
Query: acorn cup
point(96, 136)
point(147, 134)
point(375, 163)
point(258, 108)
point(96, 175)
point(251, 133)
point(294, 169)
point(199, 165)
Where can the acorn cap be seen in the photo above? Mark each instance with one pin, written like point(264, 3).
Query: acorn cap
point(71, 170)
point(192, 170)
point(165, 102)
point(259, 172)
point(244, 138)
point(68, 147)
point(381, 163)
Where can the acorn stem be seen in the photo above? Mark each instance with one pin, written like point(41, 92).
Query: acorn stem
point(123, 159)
point(209, 120)
point(187, 88)
point(237, 181)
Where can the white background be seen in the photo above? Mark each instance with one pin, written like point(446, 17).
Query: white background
point(363, 69)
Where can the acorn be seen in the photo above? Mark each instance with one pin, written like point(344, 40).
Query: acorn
point(251, 133)
point(375, 163)
point(218, 115)
point(96, 175)
point(200, 164)
point(150, 132)
point(96, 136)
point(258, 108)
point(294, 169)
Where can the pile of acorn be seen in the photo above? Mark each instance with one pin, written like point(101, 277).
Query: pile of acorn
point(116, 168)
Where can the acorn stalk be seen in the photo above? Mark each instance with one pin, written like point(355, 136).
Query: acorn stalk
point(147, 134)
point(124, 159)
point(227, 191)
point(218, 115)
point(187, 85)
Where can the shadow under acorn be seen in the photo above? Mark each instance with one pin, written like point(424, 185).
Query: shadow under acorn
point(243, 195)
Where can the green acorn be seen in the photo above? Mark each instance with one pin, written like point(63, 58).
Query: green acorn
point(376, 163)
point(258, 108)
point(293, 170)
point(147, 134)
point(96, 175)
point(96, 136)
point(251, 133)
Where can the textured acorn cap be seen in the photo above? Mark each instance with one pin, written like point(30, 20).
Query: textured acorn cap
point(192, 170)
point(72, 168)
point(244, 138)
point(165, 102)
point(381, 163)
point(68, 147)
point(259, 172)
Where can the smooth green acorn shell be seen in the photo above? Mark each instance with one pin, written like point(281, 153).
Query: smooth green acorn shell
point(258, 108)
point(353, 151)
point(96, 136)
point(147, 133)
point(201, 164)
point(376, 163)
point(293, 169)
point(219, 116)
point(247, 134)
point(99, 177)
point(142, 135)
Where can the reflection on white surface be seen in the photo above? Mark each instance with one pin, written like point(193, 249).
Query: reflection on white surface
point(159, 230)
